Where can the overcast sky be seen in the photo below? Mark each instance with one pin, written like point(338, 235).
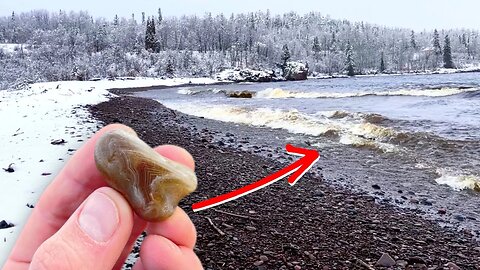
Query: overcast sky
point(415, 14)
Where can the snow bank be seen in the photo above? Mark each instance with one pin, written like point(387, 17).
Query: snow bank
point(34, 117)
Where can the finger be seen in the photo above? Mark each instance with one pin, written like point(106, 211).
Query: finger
point(177, 154)
point(78, 179)
point(158, 252)
point(174, 153)
point(92, 238)
point(178, 228)
point(139, 226)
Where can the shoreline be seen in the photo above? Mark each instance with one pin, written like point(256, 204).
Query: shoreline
point(311, 225)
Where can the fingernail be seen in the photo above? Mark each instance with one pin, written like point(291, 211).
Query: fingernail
point(99, 217)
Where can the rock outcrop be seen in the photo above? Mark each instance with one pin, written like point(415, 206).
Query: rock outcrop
point(295, 71)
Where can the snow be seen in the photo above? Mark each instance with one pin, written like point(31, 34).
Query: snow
point(11, 47)
point(31, 119)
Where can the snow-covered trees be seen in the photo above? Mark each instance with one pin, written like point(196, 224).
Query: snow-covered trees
point(74, 45)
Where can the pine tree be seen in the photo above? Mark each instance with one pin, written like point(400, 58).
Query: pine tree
point(169, 69)
point(285, 55)
point(437, 49)
point(447, 54)
point(436, 43)
point(413, 42)
point(115, 20)
point(316, 46)
point(150, 35)
point(160, 17)
point(349, 63)
point(382, 64)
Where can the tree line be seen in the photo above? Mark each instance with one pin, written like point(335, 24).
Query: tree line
point(74, 45)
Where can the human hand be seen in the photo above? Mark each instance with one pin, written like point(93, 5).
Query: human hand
point(79, 223)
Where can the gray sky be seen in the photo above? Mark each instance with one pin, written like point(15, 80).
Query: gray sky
point(416, 14)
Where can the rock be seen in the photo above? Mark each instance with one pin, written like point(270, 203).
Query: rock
point(375, 186)
point(5, 225)
point(263, 258)
point(250, 228)
point(240, 94)
point(58, 142)
point(297, 267)
point(452, 266)
point(415, 260)
point(386, 261)
point(402, 263)
point(258, 263)
point(442, 211)
point(246, 75)
point(9, 169)
point(459, 217)
point(295, 71)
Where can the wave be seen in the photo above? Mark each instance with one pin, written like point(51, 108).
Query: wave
point(352, 130)
point(274, 93)
point(458, 181)
point(193, 91)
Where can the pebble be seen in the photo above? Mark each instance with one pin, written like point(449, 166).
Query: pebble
point(297, 267)
point(258, 263)
point(452, 266)
point(375, 186)
point(442, 211)
point(250, 228)
point(263, 258)
point(386, 261)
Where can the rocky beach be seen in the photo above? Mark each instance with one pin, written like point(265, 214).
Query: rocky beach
point(312, 225)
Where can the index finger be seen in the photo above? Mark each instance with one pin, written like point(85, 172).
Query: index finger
point(75, 182)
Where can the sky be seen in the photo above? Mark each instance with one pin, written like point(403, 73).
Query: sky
point(414, 14)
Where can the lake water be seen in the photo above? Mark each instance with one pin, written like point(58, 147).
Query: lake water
point(433, 121)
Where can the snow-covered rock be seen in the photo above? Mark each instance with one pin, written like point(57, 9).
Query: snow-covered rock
point(295, 71)
point(246, 75)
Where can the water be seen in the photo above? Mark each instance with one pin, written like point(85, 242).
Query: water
point(430, 122)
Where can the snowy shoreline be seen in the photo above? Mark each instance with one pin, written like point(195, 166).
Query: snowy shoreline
point(35, 117)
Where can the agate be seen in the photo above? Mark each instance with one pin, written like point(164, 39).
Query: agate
point(151, 183)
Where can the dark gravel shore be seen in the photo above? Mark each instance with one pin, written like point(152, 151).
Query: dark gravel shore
point(309, 226)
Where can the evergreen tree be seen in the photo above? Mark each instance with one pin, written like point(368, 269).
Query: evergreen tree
point(382, 64)
point(285, 55)
point(447, 54)
point(160, 17)
point(349, 63)
point(316, 46)
point(115, 20)
point(169, 69)
point(437, 49)
point(150, 35)
point(413, 42)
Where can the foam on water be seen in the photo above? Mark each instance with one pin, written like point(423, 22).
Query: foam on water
point(458, 181)
point(352, 128)
point(273, 93)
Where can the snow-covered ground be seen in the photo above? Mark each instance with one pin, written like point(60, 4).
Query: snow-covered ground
point(34, 117)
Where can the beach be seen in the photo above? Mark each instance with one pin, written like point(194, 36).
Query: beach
point(312, 225)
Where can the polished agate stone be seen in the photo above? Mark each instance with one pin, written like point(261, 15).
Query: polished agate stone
point(152, 184)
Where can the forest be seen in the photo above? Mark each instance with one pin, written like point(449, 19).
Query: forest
point(50, 46)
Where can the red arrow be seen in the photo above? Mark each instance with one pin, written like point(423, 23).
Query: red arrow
point(297, 169)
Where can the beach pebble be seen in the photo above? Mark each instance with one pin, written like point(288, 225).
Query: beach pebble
point(452, 266)
point(258, 263)
point(386, 261)
point(442, 211)
point(5, 225)
point(375, 186)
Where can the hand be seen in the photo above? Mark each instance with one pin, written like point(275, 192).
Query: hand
point(79, 223)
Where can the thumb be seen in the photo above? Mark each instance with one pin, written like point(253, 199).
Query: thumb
point(92, 238)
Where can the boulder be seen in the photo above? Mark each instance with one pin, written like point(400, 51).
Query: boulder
point(240, 94)
point(295, 71)
point(246, 75)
